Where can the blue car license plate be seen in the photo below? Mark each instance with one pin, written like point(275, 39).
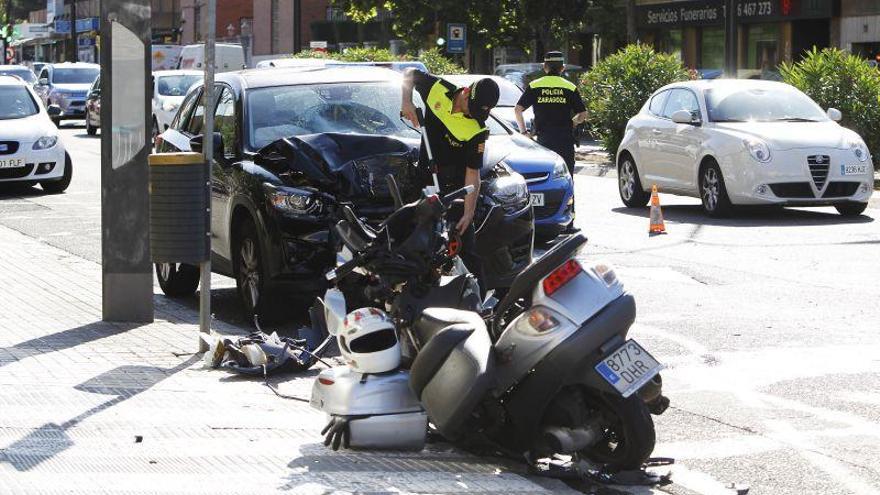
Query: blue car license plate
point(628, 368)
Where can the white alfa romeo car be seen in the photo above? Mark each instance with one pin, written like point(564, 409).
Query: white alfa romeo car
point(30, 149)
point(743, 142)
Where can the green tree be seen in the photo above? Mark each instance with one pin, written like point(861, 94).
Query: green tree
point(619, 85)
point(495, 23)
point(834, 78)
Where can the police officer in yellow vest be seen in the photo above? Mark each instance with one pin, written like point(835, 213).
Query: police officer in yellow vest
point(558, 109)
point(455, 121)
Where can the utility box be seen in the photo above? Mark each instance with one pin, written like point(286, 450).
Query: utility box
point(179, 230)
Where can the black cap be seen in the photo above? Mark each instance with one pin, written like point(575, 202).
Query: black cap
point(554, 57)
point(483, 98)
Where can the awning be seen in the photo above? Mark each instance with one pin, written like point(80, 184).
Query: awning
point(22, 41)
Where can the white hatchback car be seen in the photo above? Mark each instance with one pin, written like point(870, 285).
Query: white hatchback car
point(743, 142)
point(30, 149)
point(169, 89)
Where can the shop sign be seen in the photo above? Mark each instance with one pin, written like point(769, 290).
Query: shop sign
point(62, 27)
point(693, 13)
point(776, 10)
point(696, 13)
point(86, 25)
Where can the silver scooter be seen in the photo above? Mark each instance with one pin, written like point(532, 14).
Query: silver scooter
point(547, 371)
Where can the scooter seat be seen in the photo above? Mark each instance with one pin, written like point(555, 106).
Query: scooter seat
point(452, 374)
point(433, 320)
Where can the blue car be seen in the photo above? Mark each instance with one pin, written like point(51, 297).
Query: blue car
point(550, 185)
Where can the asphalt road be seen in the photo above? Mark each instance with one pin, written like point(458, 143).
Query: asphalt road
point(768, 323)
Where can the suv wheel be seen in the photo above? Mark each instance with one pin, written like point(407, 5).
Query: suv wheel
point(177, 280)
point(250, 274)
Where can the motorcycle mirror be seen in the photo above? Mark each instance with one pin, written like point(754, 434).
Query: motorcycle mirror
point(350, 238)
point(394, 190)
point(334, 310)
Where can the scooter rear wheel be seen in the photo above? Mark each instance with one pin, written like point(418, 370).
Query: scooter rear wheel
point(629, 435)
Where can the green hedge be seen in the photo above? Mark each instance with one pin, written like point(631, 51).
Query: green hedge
point(834, 78)
point(617, 87)
point(434, 60)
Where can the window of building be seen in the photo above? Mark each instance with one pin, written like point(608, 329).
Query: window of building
point(276, 27)
point(197, 23)
point(711, 48)
point(762, 46)
point(335, 14)
point(670, 42)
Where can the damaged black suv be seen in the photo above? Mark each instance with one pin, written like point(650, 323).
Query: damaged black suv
point(291, 146)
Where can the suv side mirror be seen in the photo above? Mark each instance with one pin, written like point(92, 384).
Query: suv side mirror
point(834, 114)
point(685, 117)
point(53, 110)
point(43, 81)
point(196, 144)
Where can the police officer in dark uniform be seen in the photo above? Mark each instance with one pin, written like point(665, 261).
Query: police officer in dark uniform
point(558, 109)
point(455, 121)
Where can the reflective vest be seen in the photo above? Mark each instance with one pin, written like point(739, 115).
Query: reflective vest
point(460, 127)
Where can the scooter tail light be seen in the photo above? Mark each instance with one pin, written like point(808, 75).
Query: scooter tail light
point(542, 320)
point(325, 381)
point(561, 276)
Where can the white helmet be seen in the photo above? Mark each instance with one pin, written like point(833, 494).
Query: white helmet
point(368, 341)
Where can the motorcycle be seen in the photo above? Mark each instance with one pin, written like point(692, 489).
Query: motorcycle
point(548, 370)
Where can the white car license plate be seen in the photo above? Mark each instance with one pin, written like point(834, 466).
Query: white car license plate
point(857, 169)
point(11, 162)
point(628, 368)
point(537, 199)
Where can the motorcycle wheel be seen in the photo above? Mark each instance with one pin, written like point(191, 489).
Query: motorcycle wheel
point(629, 435)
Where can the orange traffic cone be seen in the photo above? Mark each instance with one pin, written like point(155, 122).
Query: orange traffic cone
point(657, 226)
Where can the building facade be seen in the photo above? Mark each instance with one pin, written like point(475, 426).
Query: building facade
point(768, 31)
point(860, 27)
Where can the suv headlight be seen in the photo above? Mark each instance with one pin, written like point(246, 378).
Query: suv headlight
point(758, 149)
point(45, 142)
point(508, 189)
point(859, 150)
point(560, 169)
point(292, 200)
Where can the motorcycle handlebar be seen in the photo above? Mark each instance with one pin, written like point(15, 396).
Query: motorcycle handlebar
point(457, 194)
point(344, 269)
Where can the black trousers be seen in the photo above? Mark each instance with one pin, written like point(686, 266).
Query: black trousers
point(562, 142)
point(468, 252)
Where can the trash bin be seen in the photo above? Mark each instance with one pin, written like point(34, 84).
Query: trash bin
point(178, 208)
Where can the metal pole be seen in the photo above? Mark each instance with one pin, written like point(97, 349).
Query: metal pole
point(208, 151)
point(730, 39)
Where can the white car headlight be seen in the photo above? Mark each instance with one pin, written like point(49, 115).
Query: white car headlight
point(45, 142)
point(169, 106)
point(509, 189)
point(758, 149)
point(292, 200)
point(858, 148)
point(560, 169)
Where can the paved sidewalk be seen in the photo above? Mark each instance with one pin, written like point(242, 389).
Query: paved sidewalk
point(93, 407)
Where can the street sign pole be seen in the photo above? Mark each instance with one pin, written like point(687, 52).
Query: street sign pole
point(208, 151)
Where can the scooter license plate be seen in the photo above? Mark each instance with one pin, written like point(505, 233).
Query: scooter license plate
point(628, 368)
